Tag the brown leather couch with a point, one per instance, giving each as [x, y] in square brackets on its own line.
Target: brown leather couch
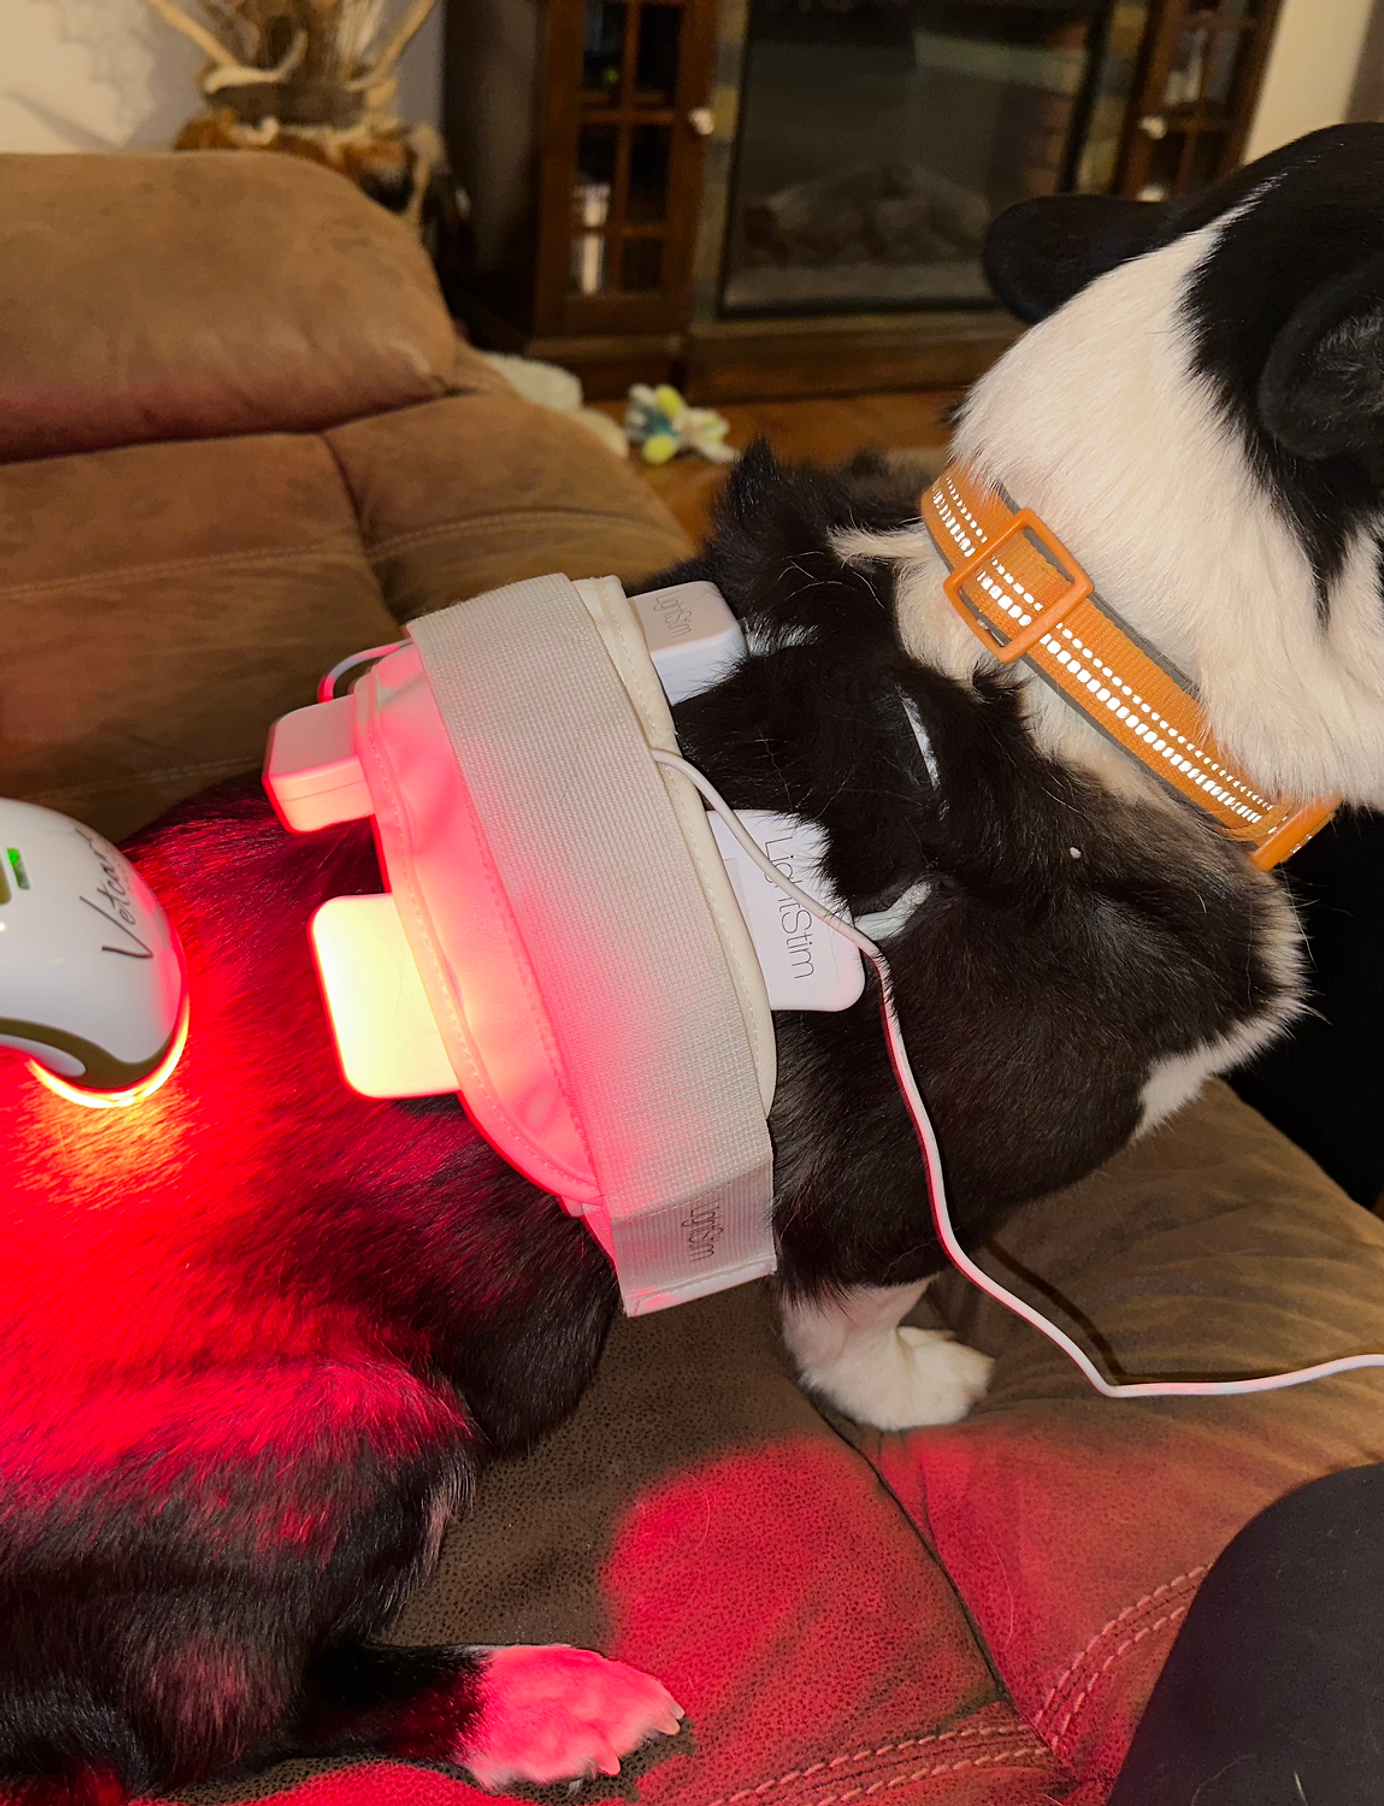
[239, 440]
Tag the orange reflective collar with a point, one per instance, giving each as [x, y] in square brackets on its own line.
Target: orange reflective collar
[1023, 595]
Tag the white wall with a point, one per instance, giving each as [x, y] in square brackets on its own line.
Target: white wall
[1311, 72]
[110, 75]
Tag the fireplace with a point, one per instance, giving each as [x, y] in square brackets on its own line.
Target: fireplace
[878, 138]
[778, 196]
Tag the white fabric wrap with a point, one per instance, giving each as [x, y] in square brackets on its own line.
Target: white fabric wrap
[575, 930]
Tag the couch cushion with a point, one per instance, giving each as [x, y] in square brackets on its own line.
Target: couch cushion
[1077, 1528]
[202, 293]
[465, 494]
[698, 1519]
[160, 606]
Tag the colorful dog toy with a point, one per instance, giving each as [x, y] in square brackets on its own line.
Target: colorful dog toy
[661, 423]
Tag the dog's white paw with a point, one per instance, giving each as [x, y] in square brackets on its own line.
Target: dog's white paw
[552, 1713]
[908, 1379]
[851, 1349]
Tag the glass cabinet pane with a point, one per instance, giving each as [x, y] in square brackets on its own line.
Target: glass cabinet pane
[656, 65]
[603, 50]
[592, 206]
[1163, 163]
[597, 156]
[1221, 61]
[648, 189]
[597, 148]
[1203, 162]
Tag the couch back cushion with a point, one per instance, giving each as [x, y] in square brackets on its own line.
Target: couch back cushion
[182, 553]
[192, 294]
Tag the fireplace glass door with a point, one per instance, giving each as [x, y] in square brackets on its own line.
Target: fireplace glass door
[878, 138]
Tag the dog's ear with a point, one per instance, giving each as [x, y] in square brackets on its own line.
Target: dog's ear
[1039, 253]
[1322, 389]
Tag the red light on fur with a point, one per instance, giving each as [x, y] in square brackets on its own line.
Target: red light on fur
[132, 1094]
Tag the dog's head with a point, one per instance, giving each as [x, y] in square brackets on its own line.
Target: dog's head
[1198, 412]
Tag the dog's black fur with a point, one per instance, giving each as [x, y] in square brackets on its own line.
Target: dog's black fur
[1055, 918]
[1018, 978]
[227, 1452]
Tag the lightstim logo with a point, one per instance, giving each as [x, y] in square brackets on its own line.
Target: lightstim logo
[677, 617]
[795, 924]
[704, 1230]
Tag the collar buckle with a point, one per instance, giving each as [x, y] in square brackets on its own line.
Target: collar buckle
[1048, 616]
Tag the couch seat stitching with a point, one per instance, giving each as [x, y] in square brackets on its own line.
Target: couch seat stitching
[403, 542]
[335, 544]
[941, 1742]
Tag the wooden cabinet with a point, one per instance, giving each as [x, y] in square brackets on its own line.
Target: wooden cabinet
[1199, 78]
[625, 115]
[659, 186]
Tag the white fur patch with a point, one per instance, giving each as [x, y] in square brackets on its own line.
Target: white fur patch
[1176, 1080]
[761, 637]
[553, 1713]
[921, 735]
[853, 1350]
[1097, 420]
[880, 924]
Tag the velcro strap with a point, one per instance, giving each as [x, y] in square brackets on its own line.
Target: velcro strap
[648, 1036]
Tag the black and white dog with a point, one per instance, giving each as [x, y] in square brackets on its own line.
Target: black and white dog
[257, 1339]
[1199, 415]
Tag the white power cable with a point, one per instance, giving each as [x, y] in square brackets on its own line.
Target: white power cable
[932, 1157]
[326, 688]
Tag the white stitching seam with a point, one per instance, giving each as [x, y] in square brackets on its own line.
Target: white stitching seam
[1122, 1617]
[1178, 1611]
[888, 1749]
[334, 545]
[921, 1774]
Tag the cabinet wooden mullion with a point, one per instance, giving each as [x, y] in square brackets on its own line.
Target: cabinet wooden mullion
[619, 182]
[560, 126]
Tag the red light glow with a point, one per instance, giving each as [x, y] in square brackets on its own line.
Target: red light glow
[132, 1094]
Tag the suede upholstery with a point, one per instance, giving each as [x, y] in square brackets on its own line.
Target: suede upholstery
[177, 297]
[453, 500]
[249, 544]
[971, 1614]
[237, 441]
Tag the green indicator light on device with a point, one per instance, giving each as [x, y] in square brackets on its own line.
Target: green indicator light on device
[21, 877]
